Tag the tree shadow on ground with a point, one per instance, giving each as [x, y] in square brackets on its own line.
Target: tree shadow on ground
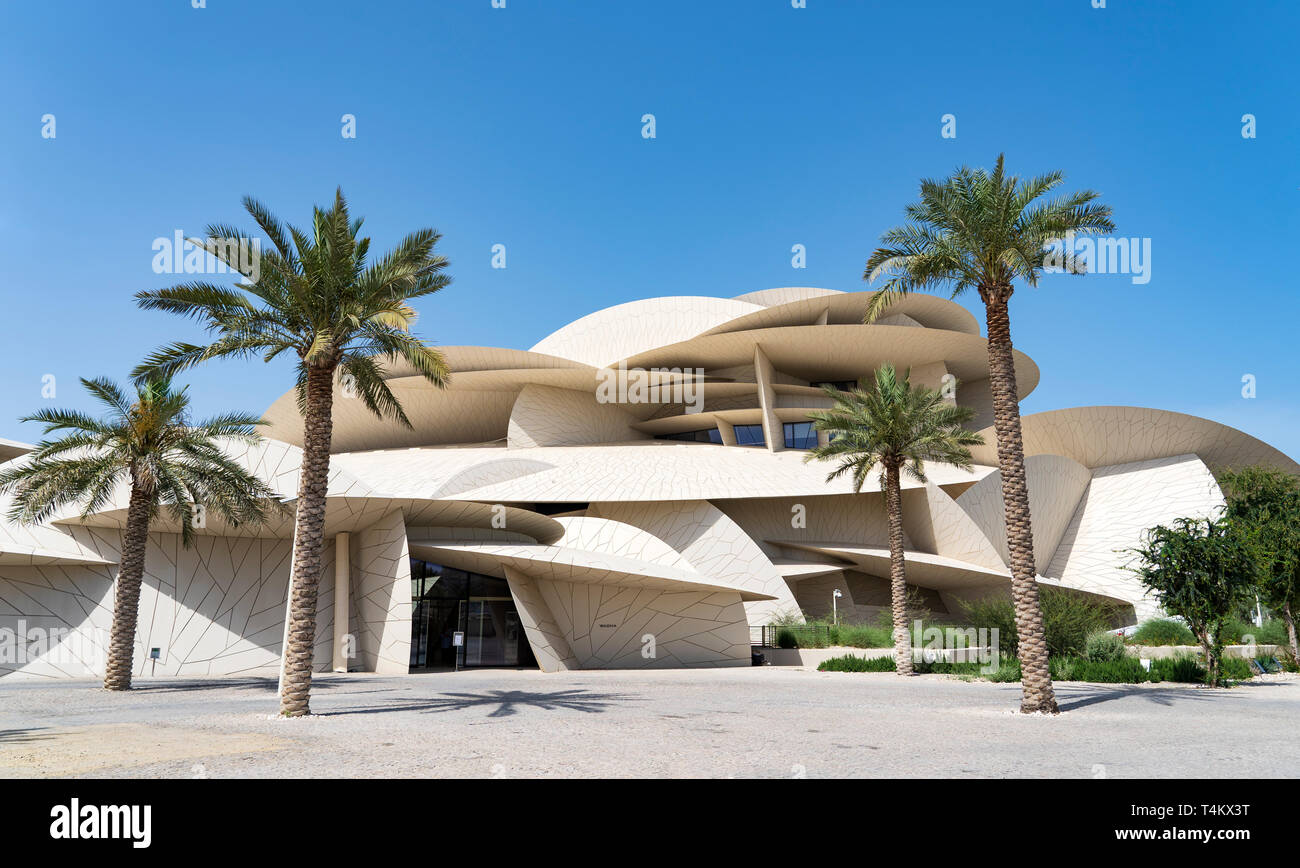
[266, 684]
[1070, 698]
[23, 736]
[504, 703]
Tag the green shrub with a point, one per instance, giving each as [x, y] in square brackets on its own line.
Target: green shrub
[854, 663]
[1127, 670]
[862, 636]
[1289, 663]
[1184, 669]
[1069, 619]
[1104, 646]
[994, 613]
[1236, 668]
[1163, 631]
[814, 634]
[1008, 669]
[1272, 632]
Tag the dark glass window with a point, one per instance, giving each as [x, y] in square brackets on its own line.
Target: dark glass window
[750, 435]
[446, 601]
[842, 385]
[800, 435]
[707, 435]
[557, 508]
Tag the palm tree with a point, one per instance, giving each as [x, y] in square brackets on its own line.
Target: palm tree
[985, 230]
[318, 297]
[148, 442]
[894, 426]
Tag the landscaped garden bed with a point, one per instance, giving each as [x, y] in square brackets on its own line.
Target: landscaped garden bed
[1125, 670]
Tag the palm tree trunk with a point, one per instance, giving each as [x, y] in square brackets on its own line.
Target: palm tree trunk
[126, 599]
[1036, 679]
[1289, 617]
[897, 571]
[308, 539]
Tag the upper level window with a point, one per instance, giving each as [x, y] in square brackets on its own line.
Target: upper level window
[800, 435]
[842, 385]
[750, 435]
[707, 435]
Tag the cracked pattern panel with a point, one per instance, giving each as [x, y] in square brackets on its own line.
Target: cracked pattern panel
[1055, 483]
[381, 595]
[216, 608]
[713, 544]
[546, 416]
[1119, 504]
[609, 626]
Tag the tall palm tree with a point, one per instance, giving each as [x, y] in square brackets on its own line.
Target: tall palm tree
[319, 297]
[148, 442]
[897, 427]
[985, 230]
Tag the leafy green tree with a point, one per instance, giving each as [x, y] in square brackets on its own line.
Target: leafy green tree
[986, 230]
[1199, 569]
[896, 427]
[317, 297]
[149, 443]
[1265, 503]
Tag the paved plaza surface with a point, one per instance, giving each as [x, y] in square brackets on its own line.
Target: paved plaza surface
[746, 722]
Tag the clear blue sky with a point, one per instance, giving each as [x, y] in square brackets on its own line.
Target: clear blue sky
[775, 126]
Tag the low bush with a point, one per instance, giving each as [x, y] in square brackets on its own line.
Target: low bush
[810, 635]
[1163, 631]
[862, 636]
[1127, 670]
[1272, 632]
[1008, 669]
[1236, 668]
[1103, 647]
[854, 663]
[994, 613]
[1069, 619]
[1184, 669]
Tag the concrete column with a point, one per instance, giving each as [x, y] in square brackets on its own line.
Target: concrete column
[773, 430]
[342, 586]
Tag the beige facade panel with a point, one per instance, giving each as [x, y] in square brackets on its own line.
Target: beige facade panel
[546, 416]
[556, 563]
[1056, 484]
[619, 332]
[1103, 436]
[381, 593]
[609, 626]
[833, 352]
[620, 550]
[713, 545]
[923, 568]
[11, 449]
[1120, 503]
[791, 306]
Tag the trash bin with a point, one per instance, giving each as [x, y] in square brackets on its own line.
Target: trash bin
[756, 658]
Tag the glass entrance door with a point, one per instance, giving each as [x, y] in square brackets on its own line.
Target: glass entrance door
[445, 601]
[493, 633]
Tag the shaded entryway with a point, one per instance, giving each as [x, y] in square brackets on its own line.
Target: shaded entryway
[446, 600]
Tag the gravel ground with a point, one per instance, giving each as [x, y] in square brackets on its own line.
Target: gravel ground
[759, 722]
